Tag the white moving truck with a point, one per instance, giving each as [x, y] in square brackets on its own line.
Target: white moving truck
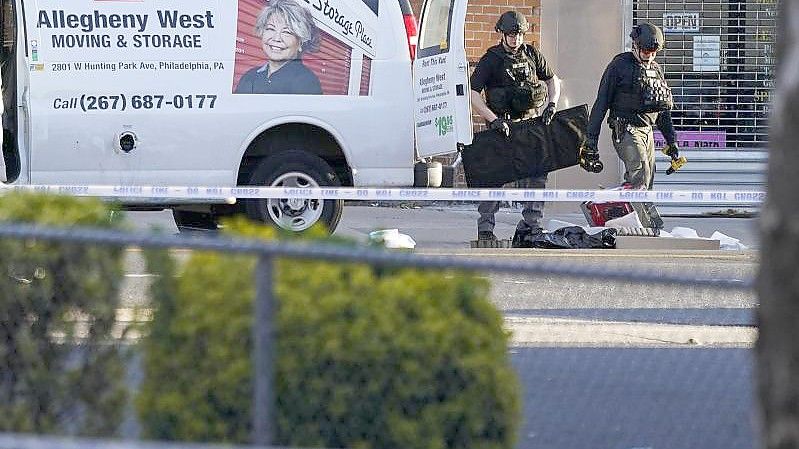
[289, 93]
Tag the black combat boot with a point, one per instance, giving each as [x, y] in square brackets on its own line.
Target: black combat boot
[520, 240]
[487, 236]
[524, 238]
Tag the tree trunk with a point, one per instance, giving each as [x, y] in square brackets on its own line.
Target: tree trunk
[778, 280]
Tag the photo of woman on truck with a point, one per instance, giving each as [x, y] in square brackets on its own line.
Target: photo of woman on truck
[287, 31]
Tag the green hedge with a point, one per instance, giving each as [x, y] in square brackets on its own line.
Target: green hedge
[46, 385]
[366, 358]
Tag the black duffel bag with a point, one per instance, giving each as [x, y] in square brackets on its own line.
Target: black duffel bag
[532, 149]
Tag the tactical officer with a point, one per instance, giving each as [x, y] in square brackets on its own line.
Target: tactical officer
[518, 83]
[635, 91]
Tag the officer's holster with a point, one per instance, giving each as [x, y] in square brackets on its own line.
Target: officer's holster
[618, 126]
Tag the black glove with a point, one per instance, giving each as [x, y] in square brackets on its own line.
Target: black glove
[501, 125]
[591, 148]
[589, 157]
[548, 114]
[672, 151]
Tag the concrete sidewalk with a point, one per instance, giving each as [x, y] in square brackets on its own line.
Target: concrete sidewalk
[569, 332]
[527, 331]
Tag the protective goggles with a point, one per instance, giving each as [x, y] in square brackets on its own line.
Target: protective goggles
[650, 47]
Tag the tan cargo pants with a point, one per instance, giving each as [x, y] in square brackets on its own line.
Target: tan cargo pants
[636, 149]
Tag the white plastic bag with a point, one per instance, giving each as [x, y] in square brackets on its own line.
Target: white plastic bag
[728, 243]
[392, 239]
[630, 220]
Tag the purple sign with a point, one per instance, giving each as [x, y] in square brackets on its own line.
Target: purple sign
[701, 140]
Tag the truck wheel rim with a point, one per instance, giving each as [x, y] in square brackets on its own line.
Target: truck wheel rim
[295, 214]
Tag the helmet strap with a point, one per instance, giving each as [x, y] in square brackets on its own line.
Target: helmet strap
[637, 53]
[506, 46]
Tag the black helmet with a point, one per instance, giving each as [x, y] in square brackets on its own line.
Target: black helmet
[648, 37]
[512, 22]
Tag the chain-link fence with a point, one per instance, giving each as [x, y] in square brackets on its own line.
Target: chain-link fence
[311, 343]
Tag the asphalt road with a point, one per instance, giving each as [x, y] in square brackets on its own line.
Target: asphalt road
[636, 398]
[446, 232]
[453, 226]
[603, 364]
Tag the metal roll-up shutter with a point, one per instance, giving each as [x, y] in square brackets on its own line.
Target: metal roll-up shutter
[719, 62]
[366, 75]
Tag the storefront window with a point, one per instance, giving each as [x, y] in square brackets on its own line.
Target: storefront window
[719, 61]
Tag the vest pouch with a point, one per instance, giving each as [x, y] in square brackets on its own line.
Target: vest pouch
[626, 103]
[540, 93]
[649, 93]
[497, 99]
[655, 93]
[521, 99]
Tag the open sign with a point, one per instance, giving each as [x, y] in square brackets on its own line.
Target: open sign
[681, 22]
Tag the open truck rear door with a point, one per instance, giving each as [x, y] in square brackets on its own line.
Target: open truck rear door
[443, 115]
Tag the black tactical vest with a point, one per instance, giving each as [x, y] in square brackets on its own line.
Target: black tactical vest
[519, 90]
[655, 93]
[648, 93]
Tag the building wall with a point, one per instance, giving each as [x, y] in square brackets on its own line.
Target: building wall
[579, 38]
[482, 15]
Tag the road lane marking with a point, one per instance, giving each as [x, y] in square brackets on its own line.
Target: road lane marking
[533, 331]
[569, 332]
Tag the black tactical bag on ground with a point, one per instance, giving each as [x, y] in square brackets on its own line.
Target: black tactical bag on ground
[532, 149]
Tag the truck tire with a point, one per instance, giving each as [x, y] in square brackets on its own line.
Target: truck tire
[299, 169]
